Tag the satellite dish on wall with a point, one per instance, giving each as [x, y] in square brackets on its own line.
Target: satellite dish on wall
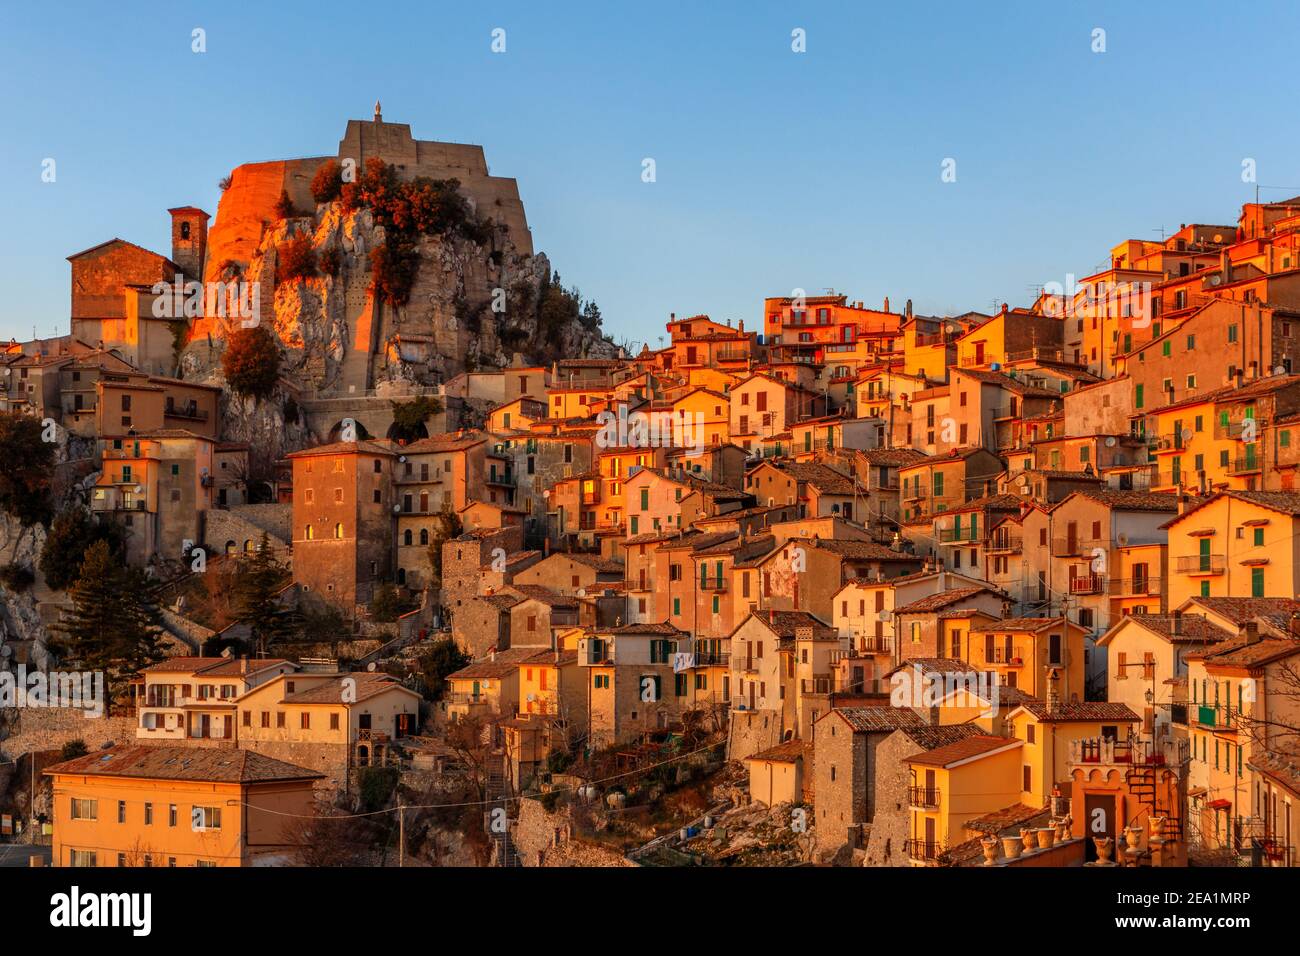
[995, 366]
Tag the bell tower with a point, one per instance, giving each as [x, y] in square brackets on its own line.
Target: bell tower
[189, 239]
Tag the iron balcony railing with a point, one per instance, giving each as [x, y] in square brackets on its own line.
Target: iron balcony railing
[923, 797]
[1088, 584]
[1135, 587]
[923, 849]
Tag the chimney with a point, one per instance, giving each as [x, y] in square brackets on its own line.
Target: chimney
[1251, 632]
[1176, 626]
[886, 303]
[243, 664]
[1225, 265]
[907, 310]
[1053, 697]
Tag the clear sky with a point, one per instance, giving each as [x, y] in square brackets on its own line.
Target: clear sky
[775, 169]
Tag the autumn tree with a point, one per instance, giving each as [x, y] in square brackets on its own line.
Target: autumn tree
[327, 183]
[295, 258]
[113, 625]
[251, 362]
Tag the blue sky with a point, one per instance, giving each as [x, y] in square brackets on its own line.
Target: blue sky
[775, 170]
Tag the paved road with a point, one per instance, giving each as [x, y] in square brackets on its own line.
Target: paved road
[16, 854]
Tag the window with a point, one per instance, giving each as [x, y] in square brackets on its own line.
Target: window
[206, 818]
[280, 719]
[266, 718]
[1257, 582]
[85, 809]
[305, 720]
[82, 858]
[148, 814]
[1259, 537]
[121, 811]
[1232, 333]
[171, 814]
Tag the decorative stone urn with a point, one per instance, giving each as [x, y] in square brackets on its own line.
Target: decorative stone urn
[990, 845]
[1157, 834]
[1133, 836]
[1046, 837]
[1011, 846]
[1029, 838]
[1105, 846]
[1062, 829]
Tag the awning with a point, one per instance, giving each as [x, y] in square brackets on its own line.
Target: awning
[1220, 804]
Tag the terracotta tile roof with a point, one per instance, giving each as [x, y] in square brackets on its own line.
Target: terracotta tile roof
[784, 623]
[662, 627]
[537, 592]
[891, 457]
[1285, 768]
[1131, 500]
[332, 691]
[1240, 610]
[199, 764]
[497, 666]
[929, 736]
[1242, 653]
[1286, 502]
[788, 752]
[862, 550]
[345, 448]
[824, 478]
[1025, 624]
[937, 602]
[234, 667]
[1188, 629]
[975, 746]
[1016, 815]
[600, 565]
[882, 719]
[1080, 710]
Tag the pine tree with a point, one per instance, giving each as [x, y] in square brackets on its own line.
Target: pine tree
[258, 586]
[113, 626]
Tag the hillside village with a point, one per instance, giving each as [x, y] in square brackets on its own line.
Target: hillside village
[835, 583]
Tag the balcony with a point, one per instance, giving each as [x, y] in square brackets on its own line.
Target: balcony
[1198, 564]
[1134, 753]
[1001, 655]
[191, 412]
[1075, 547]
[817, 684]
[1167, 443]
[1249, 464]
[922, 850]
[731, 355]
[874, 645]
[505, 479]
[1088, 584]
[960, 536]
[923, 798]
[713, 584]
[1136, 587]
[1217, 717]
[705, 657]
[593, 652]
[1235, 430]
[1003, 542]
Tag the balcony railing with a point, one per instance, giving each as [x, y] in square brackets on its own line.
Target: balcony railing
[1088, 584]
[1001, 655]
[1003, 541]
[922, 849]
[960, 535]
[1217, 717]
[713, 584]
[709, 658]
[1246, 465]
[1135, 587]
[1201, 564]
[1071, 547]
[924, 798]
[874, 645]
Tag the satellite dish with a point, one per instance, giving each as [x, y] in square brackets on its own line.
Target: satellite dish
[995, 366]
[1110, 441]
[139, 489]
[581, 592]
[885, 615]
[401, 459]
[397, 509]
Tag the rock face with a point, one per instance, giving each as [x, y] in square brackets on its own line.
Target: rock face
[472, 305]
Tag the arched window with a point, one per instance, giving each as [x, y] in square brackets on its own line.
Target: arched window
[230, 547]
[407, 538]
[311, 534]
[338, 530]
[248, 545]
[424, 536]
